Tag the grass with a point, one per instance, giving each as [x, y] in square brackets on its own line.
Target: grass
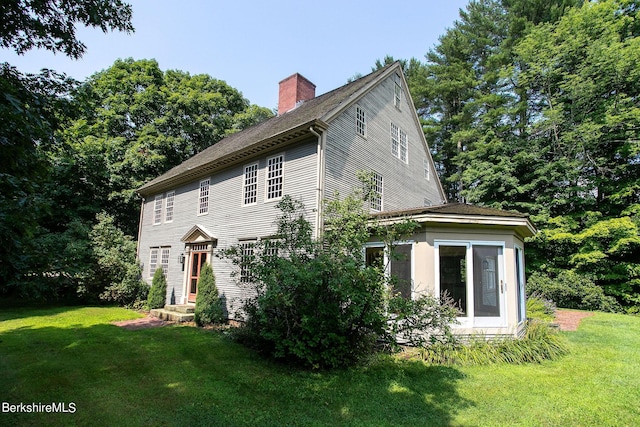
[187, 376]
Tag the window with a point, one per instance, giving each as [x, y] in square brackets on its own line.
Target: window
[153, 261]
[163, 253]
[427, 169]
[168, 207]
[250, 186]
[395, 140]
[397, 92]
[245, 261]
[403, 146]
[399, 266]
[203, 199]
[375, 194]
[360, 121]
[164, 260]
[157, 210]
[472, 274]
[274, 177]
[520, 291]
[399, 145]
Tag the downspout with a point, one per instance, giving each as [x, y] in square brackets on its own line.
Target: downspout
[319, 181]
[140, 226]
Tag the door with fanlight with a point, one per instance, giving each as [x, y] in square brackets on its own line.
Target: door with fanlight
[198, 259]
[472, 275]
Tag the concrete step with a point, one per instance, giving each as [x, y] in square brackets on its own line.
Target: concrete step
[171, 316]
[181, 308]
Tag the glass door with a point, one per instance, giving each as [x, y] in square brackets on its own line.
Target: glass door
[197, 261]
[471, 273]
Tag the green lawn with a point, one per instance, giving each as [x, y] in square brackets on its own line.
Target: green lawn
[186, 376]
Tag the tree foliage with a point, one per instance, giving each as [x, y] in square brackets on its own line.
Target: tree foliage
[534, 106]
[51, 24]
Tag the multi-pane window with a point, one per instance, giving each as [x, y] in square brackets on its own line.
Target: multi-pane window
[375, 196]
[397, 92]
[168, 206]
[361, 124]
[203, 199]
[153, 261]
[403, 146]
[157, 210]
[250, 186]
[399, 143]
[274, 177]
[164, 260]
[245, 261]
[427, 169]
[395, 140]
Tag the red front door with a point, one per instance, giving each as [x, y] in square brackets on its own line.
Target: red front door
[197, 261]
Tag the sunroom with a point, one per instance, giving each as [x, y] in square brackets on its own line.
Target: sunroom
[474, 254]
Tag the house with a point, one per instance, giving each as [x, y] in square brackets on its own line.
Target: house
[226, 195]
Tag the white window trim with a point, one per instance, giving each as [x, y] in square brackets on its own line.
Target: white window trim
[157, 210]
[171, 195]
[397, 92]
[361, 123]
[399, 143]
[521, 303]
[248, 244]
[426, 168]
[468, 320]
[153, 266]
[199, 211]
[165, 266]
[379, 193]
[244, 183]
[282, 175]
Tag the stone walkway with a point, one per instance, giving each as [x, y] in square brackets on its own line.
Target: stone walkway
[569, 320]
[144, 323]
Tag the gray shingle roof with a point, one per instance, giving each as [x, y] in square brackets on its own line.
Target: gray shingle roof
[453, 209]
[277, 130]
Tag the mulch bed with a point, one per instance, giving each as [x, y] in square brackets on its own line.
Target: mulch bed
[569, 320]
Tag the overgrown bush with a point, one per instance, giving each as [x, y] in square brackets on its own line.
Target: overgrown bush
[314, 303]
[571, 290]
[158, 292]
[131, 292]
[422, 321]
[539, 343]
[540, 308]
[208, 309]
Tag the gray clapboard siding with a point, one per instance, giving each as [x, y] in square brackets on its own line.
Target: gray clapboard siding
[404, 185]
[228, 219]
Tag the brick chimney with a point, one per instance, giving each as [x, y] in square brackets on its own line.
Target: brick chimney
[293, 90]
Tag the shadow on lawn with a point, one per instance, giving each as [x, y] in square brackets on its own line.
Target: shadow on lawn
[185, 376]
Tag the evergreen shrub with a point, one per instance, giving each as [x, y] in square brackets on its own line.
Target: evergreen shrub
[209, 308]
[158, 292]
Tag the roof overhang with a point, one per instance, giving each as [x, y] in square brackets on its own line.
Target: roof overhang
[278, 141]
[521, 225]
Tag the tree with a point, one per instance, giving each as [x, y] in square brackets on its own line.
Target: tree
[51, 24]
[209, 308]
[136, 121]
[32, 108]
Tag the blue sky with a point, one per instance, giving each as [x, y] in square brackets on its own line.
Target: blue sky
[253, 44]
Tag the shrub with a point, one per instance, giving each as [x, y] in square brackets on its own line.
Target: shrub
[158, 292]
[131, 292]
[314, 302]
[539, 343]
[422, 321]
[540, 308]
[208, 303]
[571, 290]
